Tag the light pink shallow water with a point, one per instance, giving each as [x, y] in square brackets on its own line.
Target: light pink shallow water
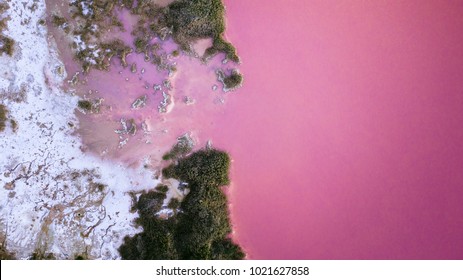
[347, 135]
[119, 88]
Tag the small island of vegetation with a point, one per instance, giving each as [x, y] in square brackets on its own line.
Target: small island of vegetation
[231, 81]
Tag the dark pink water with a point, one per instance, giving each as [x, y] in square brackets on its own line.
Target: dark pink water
[347, 135]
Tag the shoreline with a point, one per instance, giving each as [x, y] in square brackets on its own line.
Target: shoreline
[76, 203]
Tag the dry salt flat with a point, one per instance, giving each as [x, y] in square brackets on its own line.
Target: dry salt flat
[53, 197]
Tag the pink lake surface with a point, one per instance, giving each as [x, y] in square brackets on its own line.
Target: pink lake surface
[345, 138]
[347, 135]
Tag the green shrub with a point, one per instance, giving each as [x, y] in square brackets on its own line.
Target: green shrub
[4, 254]
[39, 255]
[198, 19]
[173, 203]
[85, 105]
[150, 203]
[201, 229]
[7, 45]
[58, 21]
[233, 80]
[162, 188]
[207, 167]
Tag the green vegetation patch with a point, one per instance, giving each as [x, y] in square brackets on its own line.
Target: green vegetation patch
[40, 255]
[3, 117]
[85, 105]
[3, 24]
[234, 80]
[185, 21]
[4, 254]
[4, 7]
[231, 81]
[7, 45]
[14, 125]
[201, 229]
[204, 167]
[183, 147]
[81, 257]
[173, 203]
[61, 22]
[162, 188]
[58, 21]
[198, 19]
[90, 106]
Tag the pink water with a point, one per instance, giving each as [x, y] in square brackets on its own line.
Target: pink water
[347, 135]
[119, 88]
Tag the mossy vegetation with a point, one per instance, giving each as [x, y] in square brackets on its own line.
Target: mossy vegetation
[4, 254]
[85, 105]
[100, 187]
[183, 20]
[150, 203]
[60, 22]
[39, 255]
[205, 167]
[14, 125]
[198, 19]
[183, 147]
[4, 7]
[3, 24]
[173, 203]
[80, 257]
[90, 106]
[231, 81]
[179, 150]
[162, 188]
[7, 45]
[221, 45]
[201, 229]
[140, 44]
[112, 48]
[3, 117]
[6, 118]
